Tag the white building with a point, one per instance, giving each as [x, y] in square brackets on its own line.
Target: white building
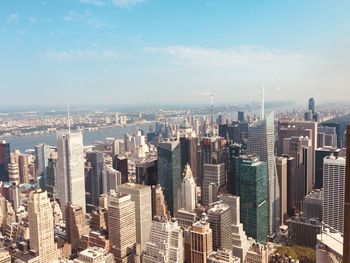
[165, 244]
[334, 192]
[111, 178]
[70, 169]
[188, 190]
[261, 142]
[94, 255]
[223, 256]
[213, 174]
[41, 227]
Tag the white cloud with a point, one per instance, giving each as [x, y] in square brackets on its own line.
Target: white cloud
[78, 54]
[125, 3]
[94, 2]
[12, 19]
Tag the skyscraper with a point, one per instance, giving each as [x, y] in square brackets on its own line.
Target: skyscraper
[41, 227]
[262, 143]
[122, 227]
[201, 240]
[166, 244]
[93, 184]
[254, 197]
[169, 173]
[76, 225]
[215, 175]
[188, 190]
[346, 244]
[141, 195]
[159, 205]
[219, 218]
[5, 158]
[121, 165]
[23, 166]
[70, 169]
[281, 163]
[333, 185]
[42, 154]
[51, 178]
[13, 173]
[312, 105]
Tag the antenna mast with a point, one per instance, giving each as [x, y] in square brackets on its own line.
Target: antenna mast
[211, 111]
[68, 119]
[263, 101]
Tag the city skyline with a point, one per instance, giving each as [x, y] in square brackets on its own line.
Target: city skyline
[132, 52]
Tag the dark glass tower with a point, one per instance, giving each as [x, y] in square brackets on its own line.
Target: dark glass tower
[169, 173]
[93, 183]
[312, 105]
[5, 158]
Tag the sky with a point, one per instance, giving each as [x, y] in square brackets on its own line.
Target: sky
[149, 52]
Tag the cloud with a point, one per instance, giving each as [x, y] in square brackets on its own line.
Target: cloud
[78, 54]
[85, 17]
[118, 3]
[236, 56]
[12, 19]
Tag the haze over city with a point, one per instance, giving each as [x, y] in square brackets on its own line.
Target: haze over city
[131, 52]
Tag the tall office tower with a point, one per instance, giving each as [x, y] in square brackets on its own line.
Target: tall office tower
[41, 227]
[333, 185]
[169, 173]
[7, 213]
[5, 159]
[313, 204]
[241, 116]
[212, 151]
[13, 173]
[116, 149]
[141, 195]
[312, 105]
[121, 165]
[159, 205]
[70, 169]
[213, 174]
[287, 129]
[235, 151]
[320, 154]
[93, 183]
[122, 227]
[326, 136]
[147, 171]
[308, 115]
[189, 148]
[201, 239]
[111, 178]
[223, 256]
[239, 238]
[281, 163]
[42, 155]
[219, 218]
[346, 243]
[14, 196]
[23, 166]
[300, 149]
[261, 142]
[303, 231]
[253, 192]
[51, 178]
[188, 190]
[339, 132]
[76, 225]
[166, 243]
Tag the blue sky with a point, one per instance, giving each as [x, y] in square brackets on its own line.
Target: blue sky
[127, 52]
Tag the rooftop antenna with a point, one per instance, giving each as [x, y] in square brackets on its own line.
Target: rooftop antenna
[211, 111]
[68, 119]
[263, 101]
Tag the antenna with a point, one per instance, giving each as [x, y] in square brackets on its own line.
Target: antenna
[263, 101]
[211, 110]
[68, 119]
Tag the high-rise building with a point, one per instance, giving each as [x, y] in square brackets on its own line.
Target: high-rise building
[219, 218]
[42, 155]
[312, 105]
[169, 173]
[346, 244]
[240, 243]
[223, 256]
[320, 154]
[281, 163]
[94, 255]
[201, 239]
[261, 142]
[51, 178]
[241, 116]
[313, 204]
[111, 178]
[327, 136]
[122, 227]
[41, 227]
[188, 190]
[76, 225]
[253, 192]
[121, 164]
[141, 195]
[70, 169]
[303, 231]
[23, 166]
[333, 185]
[213, 174]
[165, 244]
[93, 183]
[5, 159]
[159, 205]
[13, 173]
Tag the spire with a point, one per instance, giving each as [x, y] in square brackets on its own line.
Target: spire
[68, 119]
[211, 111]
[188, 171]
[263, 101]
